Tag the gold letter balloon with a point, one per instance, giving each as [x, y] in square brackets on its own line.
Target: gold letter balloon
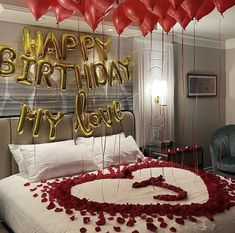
[45, 56]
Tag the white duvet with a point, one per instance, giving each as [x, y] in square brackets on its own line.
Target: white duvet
[25, 214]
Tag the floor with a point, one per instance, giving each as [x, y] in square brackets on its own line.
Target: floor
[3, 229]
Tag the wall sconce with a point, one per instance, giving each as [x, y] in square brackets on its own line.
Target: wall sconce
[159, 92]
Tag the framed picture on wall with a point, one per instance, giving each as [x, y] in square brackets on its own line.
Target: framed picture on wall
[202, 85]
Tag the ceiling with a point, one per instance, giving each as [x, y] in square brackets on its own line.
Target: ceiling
[16, 11]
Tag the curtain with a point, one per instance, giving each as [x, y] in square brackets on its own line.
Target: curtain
[153, 91]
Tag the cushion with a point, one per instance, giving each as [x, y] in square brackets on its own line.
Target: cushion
[108, 152]
[227, 165]
[51, 160]
[15, 151]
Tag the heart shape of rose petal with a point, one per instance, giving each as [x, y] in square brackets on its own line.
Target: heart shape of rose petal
[219, 192]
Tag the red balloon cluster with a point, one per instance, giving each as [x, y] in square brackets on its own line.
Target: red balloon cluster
[145, 13]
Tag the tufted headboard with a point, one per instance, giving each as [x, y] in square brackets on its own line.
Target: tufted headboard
[8, 135]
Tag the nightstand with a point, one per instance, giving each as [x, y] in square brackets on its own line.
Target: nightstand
[182, 154]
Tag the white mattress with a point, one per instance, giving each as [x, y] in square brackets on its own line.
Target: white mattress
[25, 214]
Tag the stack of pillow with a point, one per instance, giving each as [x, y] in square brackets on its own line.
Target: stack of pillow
[57, 159]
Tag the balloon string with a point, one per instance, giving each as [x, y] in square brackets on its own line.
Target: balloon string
[162, 54]
[220, 73]
[196, 99]
[150, 73]
[167, 133]
[183, 83]
[103, 37]
[219, 94]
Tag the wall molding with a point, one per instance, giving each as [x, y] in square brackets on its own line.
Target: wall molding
[230, 44]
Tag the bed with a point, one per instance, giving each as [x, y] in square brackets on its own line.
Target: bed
[122, 194]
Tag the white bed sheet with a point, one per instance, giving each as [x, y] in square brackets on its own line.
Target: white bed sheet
[25, 214]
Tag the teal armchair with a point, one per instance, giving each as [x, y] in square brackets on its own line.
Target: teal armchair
[222, 148]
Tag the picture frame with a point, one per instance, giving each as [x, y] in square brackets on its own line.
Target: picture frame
[202, 85]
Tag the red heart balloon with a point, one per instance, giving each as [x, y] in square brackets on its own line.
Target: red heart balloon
[175, 3]
[93, 24]
[161, 7]
[223, 5]
[192, 7]
[103, 6]
[135, 10]
[167, 23]
[149, 23]
[185, 22]
[72, 5]
[120, 20]
[149, 4]
[61, 13]
[92, 16]
[38, 7]
[206, 8]
[178, 14]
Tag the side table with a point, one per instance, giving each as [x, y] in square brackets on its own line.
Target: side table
[187, 155]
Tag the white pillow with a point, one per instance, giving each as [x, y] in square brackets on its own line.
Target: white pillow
[108, 152]
[51, 160]
[15, 151]
[80, 140]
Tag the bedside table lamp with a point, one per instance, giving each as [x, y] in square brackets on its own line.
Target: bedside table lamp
[159, 92]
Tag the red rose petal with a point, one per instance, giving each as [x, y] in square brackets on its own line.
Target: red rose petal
[83, 230]
[130, 223]
[149, 219]
[117, 229]
[58, 210]
[44, 200]
[135, 231]
[170, 216]
[35, 195]
[72, 218]
[163, 225]
[97, 229]
[83, 212]
[86, 220]
[160, 219]
[27, 184]
[101, 222]
[172, 229]
[43, 195]
[192, 219]
[180, 221]
[151, 227]
[69, 212]
[51, 206]
[120, 220]
[39, 185]
[143, 216]
[33, 189]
